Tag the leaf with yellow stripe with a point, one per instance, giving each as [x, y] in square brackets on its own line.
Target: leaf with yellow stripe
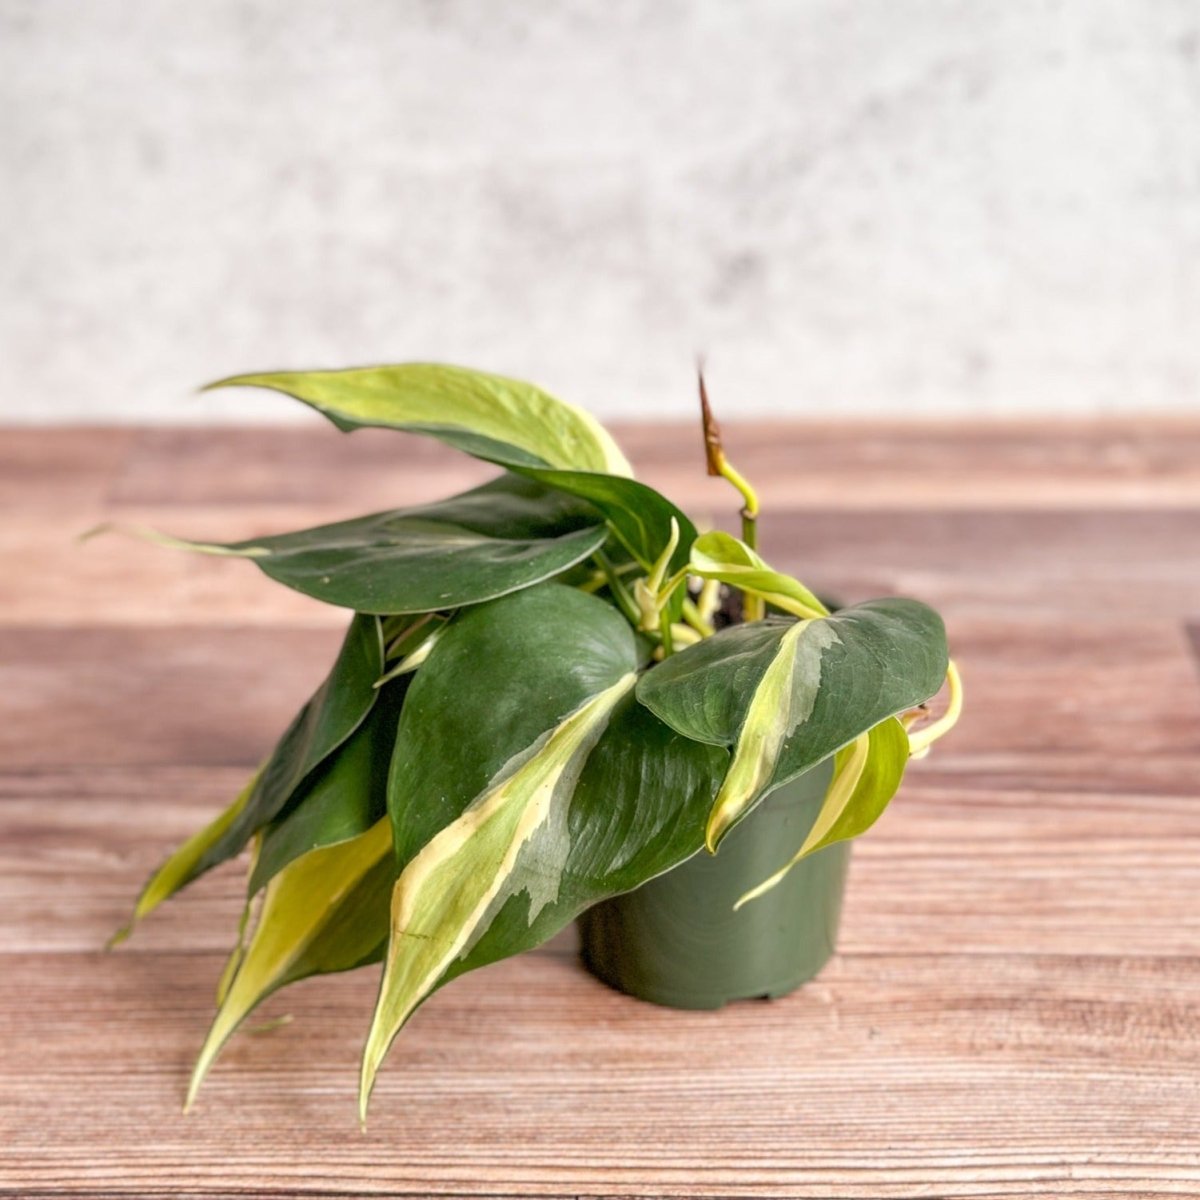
[503, 421]
[512, 838]
[866, 775]
[498, 682]
[489, 416]
[723, 557]
[787, 694]
[326, 911]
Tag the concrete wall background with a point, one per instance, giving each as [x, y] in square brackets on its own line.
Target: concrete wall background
[853, 206]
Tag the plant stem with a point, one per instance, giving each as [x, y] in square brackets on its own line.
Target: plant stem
[668, 635]
[754, 608]
[695, 618]
[620, 593]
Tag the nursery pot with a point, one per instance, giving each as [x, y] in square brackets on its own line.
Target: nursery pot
[677, 941]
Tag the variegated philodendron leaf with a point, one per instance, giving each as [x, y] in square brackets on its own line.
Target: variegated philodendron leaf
[720, 556]
[334, 712]
[496, 726]
[485, 415]
[502, 421]
[787, 694]
[343, 798]
[513, 838]
[326, 911]
[497, 681]
[866, 775]
[485, 543]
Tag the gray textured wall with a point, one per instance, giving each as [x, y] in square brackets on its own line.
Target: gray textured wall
[851, 205]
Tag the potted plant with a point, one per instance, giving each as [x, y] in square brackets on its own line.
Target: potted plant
[556, 698]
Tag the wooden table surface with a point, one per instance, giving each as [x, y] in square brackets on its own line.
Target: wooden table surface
[1015, 1008]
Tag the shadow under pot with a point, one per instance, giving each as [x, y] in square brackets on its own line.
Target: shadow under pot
[677, 941]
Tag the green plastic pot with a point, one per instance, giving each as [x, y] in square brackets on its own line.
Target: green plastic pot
[677, 941]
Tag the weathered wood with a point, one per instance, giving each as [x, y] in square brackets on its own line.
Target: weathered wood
[1015, 1009]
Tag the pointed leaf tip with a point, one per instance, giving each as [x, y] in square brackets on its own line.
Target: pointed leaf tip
[448, 894]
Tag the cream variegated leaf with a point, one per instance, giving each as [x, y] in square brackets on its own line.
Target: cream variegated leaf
[723, 557]
[782, 701]
[502, 421]
[325, 911]
[785, 695]
[866, 775]
[473, 410]
[512, 838]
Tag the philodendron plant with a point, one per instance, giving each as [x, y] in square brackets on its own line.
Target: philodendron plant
[551, 690]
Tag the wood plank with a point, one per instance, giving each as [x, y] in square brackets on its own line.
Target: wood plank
[182, 695]
[989, 871]
[103, 696]
[846, 464]
[1046, 1073]
[71, 469]
[1014, 1010]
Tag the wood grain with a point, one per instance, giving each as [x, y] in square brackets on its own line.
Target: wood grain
[1015, 1008]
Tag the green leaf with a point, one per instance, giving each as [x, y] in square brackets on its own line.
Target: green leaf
[787, 694]
[501, 421]
[486, 415]
[866, 775]
[326, 911]
[512, 838]
[343, 798]
[492, 711]
[495, 539]
[501, 676]
[720, 556]
[639, 516]
[333, 713]
[638, 810]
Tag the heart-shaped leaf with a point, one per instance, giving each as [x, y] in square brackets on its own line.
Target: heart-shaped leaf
[787, 694]
[502, 421]
[485, 415]
[526, 784]
[495, 539]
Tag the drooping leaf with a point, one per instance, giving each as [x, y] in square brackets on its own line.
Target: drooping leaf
[333, 713]
[485, 415]
[638, 810]
[484, 708]
[501, 421]
[720, 556]
[866, 775]
[336, 710]
[498, 679]
[513, 838]
[326, 911]
[787, 694]
[344, 797]
[495, 539]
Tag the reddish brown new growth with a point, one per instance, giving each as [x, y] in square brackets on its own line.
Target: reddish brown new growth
[712, 431]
